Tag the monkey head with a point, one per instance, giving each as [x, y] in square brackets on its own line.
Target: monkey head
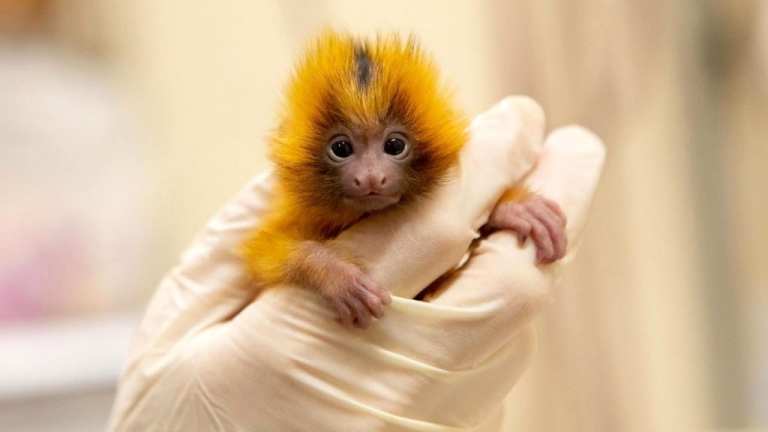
[366, 124]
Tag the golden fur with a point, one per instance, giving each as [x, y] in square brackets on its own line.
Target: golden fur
[361, 83]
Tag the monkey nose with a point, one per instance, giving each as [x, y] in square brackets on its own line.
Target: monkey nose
[370, 183]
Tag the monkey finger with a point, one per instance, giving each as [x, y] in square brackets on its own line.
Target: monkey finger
[554, 226]
[540, 236]
[367, 292]
[372, 302]
[385, 296]
[344, 314]
[362, 316]
[563, 234]
[375, 289]
[555, 207]
[379, 293]
[519, 226]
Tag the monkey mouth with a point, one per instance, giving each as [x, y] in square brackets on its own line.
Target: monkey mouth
[372, 201]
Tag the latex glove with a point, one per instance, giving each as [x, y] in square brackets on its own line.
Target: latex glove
[207, 357]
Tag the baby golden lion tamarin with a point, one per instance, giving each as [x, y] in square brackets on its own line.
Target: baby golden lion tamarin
[367, 125]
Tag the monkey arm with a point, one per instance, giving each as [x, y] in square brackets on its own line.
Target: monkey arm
[281, 252]
[271, 248]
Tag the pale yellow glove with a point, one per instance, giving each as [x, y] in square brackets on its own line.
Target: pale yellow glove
[208, 358]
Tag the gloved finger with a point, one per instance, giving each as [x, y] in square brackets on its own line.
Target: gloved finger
[567, 173]
[495, 295]
[557, 210]
[209, 284]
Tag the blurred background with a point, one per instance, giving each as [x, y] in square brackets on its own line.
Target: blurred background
[125, 124]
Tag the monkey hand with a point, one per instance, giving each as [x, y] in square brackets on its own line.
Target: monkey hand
[356, 298]
[536, 217]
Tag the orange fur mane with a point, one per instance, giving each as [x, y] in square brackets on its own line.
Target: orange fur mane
[404, 86]
[362, 83]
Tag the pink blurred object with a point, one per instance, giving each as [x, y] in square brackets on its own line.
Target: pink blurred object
[44, 273]
[72, 222]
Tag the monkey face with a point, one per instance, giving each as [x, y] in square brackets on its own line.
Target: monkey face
[367, 124]
[370, 165]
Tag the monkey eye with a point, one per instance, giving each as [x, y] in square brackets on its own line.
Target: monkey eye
[396, 147]
[340, 149]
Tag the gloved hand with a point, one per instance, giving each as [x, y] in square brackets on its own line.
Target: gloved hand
[207, 357]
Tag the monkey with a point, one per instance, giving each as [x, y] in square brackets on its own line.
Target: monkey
[367, 125]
